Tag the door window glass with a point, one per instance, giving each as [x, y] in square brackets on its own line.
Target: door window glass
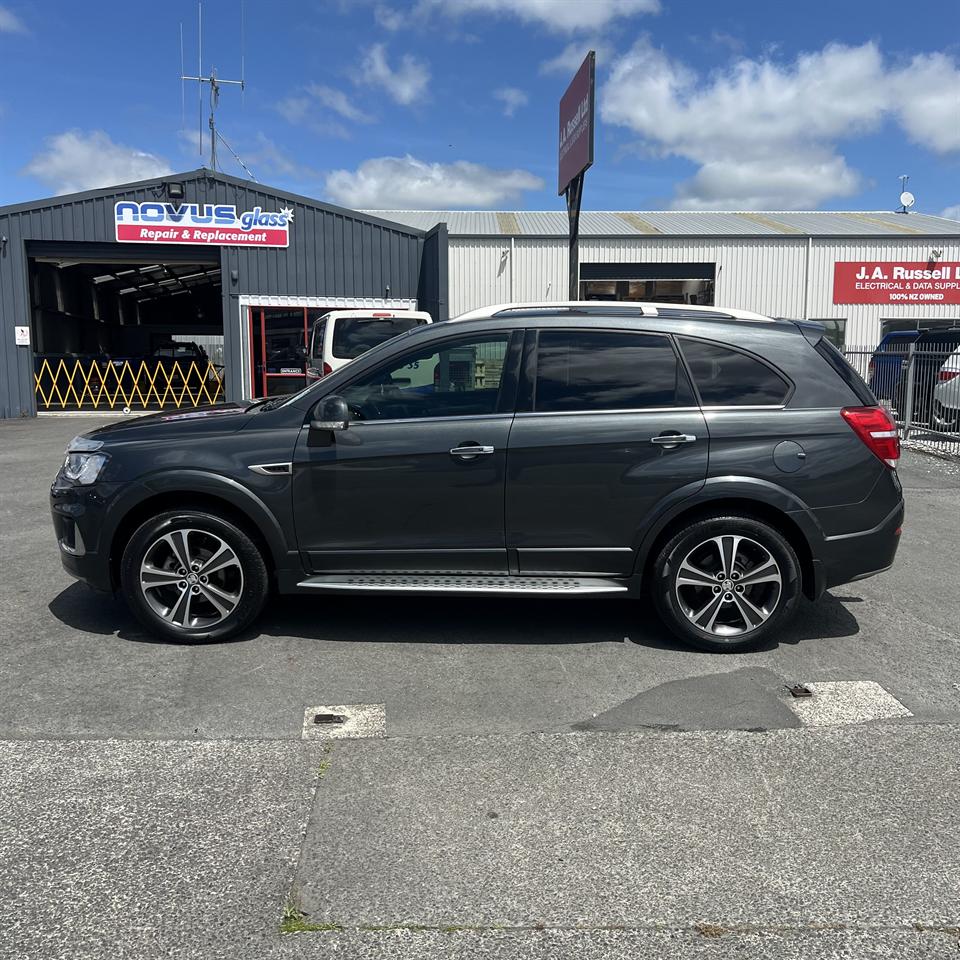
[600, 370]
[728, 378]
[456, 379]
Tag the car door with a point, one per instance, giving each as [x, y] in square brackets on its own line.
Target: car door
[416, 481]
[608, 429]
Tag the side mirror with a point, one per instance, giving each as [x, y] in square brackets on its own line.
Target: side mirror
[331, 413]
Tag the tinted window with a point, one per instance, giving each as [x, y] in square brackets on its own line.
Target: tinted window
[459, 378]
[597, 370]
[728, 378]
[319, 333]
[355, 335]
[849, 376]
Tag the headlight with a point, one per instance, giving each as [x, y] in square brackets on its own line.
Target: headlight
[83, 444]
[84, 468]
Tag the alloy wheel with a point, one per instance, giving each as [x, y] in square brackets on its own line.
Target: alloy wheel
[728, 585]
[191, 578]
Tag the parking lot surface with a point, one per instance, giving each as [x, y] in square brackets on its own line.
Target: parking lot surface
[558, 778]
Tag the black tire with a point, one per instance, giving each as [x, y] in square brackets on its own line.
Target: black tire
[678, 604]
[243, 579]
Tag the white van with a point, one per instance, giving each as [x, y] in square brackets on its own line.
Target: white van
[340, 336]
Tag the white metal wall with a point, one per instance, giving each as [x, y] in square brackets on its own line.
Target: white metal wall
[762, 274]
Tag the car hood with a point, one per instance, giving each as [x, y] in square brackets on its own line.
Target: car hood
[212, 418]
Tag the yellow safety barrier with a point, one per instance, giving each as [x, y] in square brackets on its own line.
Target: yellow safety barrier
[111, 384]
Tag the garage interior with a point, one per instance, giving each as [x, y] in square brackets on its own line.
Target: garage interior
[117, 326]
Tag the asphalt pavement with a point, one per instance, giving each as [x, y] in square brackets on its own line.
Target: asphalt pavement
[556, 779]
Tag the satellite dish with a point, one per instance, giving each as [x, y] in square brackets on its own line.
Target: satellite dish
[907, 199]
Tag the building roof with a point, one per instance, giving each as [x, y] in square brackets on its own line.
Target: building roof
[678, 223]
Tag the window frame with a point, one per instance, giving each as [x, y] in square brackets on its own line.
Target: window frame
[507, 391]
[527, 393]
[791, 386]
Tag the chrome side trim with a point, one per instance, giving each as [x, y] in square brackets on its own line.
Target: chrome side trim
[439, 583]
[271, 469]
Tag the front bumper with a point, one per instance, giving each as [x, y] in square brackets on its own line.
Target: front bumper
[78, 514]
[856, 556]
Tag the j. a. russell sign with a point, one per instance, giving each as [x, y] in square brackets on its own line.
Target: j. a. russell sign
[203, 223]
[870, 281]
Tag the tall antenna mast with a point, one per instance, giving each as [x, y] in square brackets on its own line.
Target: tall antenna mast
[215, 84]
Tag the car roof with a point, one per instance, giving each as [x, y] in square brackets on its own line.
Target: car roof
[607, 308]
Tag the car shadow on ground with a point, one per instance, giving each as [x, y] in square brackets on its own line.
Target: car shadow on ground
[449, 620]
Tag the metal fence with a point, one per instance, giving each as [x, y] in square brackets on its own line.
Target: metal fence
[921, 386]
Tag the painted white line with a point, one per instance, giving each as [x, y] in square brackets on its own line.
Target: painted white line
[839, 702]
[361, 720]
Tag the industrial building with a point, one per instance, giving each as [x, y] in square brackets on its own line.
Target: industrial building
[794, 264]
[188, 288]
[199, 286]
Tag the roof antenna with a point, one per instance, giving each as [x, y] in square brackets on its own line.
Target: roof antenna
[907, 199]
[215, 84]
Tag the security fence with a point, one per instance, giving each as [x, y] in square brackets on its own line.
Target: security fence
[921, 386]
[94, 383]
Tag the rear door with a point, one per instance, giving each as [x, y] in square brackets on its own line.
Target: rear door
[609, 430]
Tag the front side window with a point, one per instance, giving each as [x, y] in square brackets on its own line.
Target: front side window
[583, 370]
[728, 378]
[460, 378]
[353, 336]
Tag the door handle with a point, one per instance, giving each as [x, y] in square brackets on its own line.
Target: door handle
[470, 451]
[673, 439]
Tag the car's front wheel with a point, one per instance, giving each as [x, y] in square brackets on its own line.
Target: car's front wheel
[190, 576]
[726, 583]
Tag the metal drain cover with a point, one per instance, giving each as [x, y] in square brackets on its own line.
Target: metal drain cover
[344, 720]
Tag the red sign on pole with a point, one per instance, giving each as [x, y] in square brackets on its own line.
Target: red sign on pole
[906, 281]
[576, 125]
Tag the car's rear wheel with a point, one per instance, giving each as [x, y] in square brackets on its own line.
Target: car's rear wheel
[190, 576]
[726, 584]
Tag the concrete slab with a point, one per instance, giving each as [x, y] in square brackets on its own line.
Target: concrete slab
[133, 849]
[846, 701]
[852, 827]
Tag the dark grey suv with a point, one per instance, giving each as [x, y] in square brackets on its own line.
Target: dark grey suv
[721, 463]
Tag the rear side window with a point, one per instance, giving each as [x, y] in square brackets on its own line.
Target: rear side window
[600, 370]
[849, 376]
[729, 378]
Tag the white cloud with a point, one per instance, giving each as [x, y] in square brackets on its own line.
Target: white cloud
[559, 15]
[338, 102]
[10, 22]
[765, 134]
[410, 184]
[388, 17]
[403, 84]
[568, 60]
[76, 160]
[511, 98]
[951, 213]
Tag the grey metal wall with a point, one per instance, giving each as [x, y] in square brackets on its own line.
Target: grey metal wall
[332, 252]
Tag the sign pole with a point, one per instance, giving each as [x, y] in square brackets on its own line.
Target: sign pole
[575, 156]
[574, 195]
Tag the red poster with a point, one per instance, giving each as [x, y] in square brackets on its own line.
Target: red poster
[890, 282]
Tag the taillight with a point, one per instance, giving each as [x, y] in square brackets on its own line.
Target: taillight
[876, 428]
[327, 369]
[945, 375]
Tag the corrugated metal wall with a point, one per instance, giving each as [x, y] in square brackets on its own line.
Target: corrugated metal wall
[763, 274]
[332, 252]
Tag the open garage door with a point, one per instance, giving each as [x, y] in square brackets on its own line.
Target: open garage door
[122, 327]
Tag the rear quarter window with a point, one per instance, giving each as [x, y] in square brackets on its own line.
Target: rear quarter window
[846, 373]
[728, 378]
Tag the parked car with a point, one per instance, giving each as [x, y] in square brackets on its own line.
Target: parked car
[718, 462]
[340, 336]
[888, 361]
[930, 350]
[946, 395]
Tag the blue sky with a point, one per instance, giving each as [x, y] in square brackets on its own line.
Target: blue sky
[741, 104]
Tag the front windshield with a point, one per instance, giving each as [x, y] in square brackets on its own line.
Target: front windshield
[353, 336]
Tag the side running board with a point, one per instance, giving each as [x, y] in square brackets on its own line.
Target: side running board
[478, 585]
